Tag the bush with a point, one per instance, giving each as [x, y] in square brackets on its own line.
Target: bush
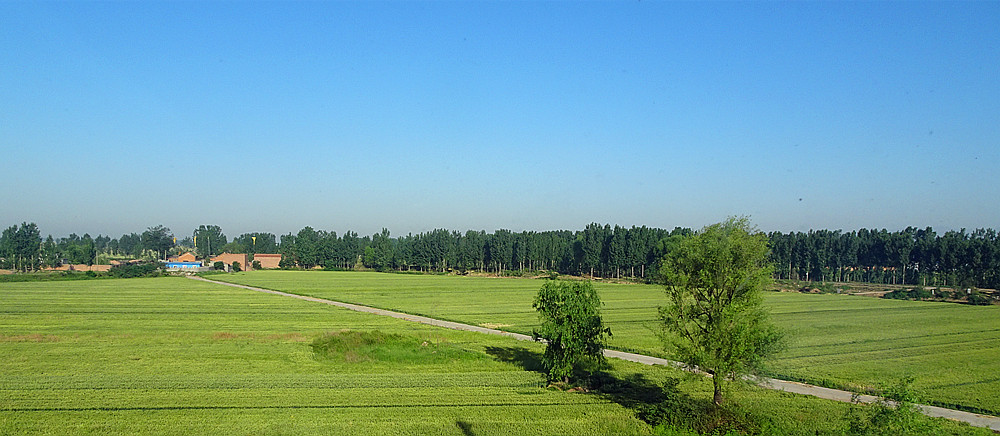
[256, 265]
[979, 299]
[129, 270]
[236, 267]
[895, 412]
[918, 293]
[219, 265]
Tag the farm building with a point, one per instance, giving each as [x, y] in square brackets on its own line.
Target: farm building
[186, 257]
[229, 258]
[268, 261]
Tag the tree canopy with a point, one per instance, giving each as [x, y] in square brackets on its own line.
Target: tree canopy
[713, 318]
[572, 325]
[158, 239]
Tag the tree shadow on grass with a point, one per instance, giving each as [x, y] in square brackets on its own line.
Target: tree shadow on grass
[650, 401]
[523, 357]
[655, 402]
[465, 427]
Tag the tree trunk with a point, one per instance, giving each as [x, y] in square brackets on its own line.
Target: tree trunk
[717, 388]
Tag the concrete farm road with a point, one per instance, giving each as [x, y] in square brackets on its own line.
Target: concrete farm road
[991, 422]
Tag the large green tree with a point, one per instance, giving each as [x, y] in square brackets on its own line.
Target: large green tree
[209, 240]
[19, 247]
[571, 324]
[714, 318]
[158, 239]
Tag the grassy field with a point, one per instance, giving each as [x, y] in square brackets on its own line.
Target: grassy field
[837, 341]
[175, 356]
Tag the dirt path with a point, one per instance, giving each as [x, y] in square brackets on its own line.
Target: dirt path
[991, 422]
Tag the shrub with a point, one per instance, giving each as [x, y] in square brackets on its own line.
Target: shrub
[979, 299]
[895, 412]
[236, 267]
[219, 265]
[129, 270]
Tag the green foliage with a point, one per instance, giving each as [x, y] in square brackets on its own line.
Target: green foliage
[219, 265]
[979, 298]
[256, 264]
[175, 356]
[917, 293]
[157, 239]
[209, 240]
[236, 267]
[20, 246]
[571, 325]
[895, 411]
[714, 280]
[833, 342]
[127, 270]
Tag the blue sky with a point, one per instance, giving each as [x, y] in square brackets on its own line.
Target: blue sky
[477, 115]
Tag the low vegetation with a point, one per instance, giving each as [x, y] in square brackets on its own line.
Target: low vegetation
[831, 339]
[174, 356]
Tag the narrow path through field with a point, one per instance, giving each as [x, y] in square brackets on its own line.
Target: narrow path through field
[978, 420]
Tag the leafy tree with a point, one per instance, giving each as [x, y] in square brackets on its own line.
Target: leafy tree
[714, 313]
[237, 267]
[256, 243]
[158, 239]
[20, 246]
[219, 265]
[209, 240]
[571, 323]
[50, 253]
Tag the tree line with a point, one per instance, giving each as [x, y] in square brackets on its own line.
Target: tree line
[598, 250]
[911, 256]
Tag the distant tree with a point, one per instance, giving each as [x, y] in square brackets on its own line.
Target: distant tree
[8, 252]
[219, 265]
[20, 246]
[307, 247]
[51, 256]
[131, 244]
[88, 250]
[381, 250]
[236, 267]
[571, 323]
[158, 239]
[209, 240]
[257, 243]
[714, 315]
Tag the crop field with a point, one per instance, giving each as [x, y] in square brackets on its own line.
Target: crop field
[839, 341]
[176, 356]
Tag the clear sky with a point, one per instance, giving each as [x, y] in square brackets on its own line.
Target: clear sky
[477, 115]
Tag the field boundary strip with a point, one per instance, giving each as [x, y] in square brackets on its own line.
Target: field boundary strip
[978, 420]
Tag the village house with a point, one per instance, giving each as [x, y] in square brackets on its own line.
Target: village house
[268, 261]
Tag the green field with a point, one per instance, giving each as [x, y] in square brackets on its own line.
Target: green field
[837, 341]
[178, 356]
[172, 355]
